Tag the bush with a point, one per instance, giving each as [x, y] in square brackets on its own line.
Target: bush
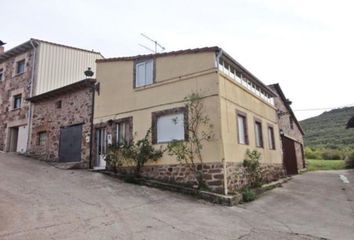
[331, 154]
[248, 195]
[312, 153]
[349, 161]
[252, 167]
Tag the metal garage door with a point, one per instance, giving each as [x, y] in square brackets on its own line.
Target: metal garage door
[70, 144]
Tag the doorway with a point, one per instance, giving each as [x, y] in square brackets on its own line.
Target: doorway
[289, 156]
[101, 148]
[70, 144]
[13, 139]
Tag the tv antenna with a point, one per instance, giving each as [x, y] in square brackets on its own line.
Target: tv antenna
[158, 46]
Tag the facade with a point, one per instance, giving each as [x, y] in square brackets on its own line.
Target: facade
[32, 68]
[62, 123]
[291, 133]
[147, 92]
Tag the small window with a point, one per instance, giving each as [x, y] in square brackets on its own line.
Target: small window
[271, 138]
[17, 101]
[20, 67]
[242, 128]
[1, 74]
[42, 138]
[144, 72]
[58, 104]
[291, 122]
[122, 133]
[258, 133]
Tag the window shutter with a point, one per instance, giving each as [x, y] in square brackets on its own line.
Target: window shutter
[149, 68]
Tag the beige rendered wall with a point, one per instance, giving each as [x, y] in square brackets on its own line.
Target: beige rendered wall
[234, 97]
[176, 77]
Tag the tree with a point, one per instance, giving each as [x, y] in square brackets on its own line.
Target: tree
[199, 131]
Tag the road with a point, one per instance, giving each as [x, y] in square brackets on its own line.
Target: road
[39, 201]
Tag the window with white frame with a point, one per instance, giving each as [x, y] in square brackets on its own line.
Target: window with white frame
[144, 73]
[258, 133]
[242, 128]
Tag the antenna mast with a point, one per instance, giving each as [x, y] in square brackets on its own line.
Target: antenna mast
[157, 45]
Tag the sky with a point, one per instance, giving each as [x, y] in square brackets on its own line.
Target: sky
[307, 46]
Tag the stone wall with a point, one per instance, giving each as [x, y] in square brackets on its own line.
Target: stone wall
[13, 84]
[76, 108]
[213, 175]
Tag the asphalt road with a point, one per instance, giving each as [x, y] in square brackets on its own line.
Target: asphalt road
[39, 201]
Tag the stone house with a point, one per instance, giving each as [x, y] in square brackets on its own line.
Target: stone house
[144, 92]
[62, 123]
[29, 69]
[292, 134]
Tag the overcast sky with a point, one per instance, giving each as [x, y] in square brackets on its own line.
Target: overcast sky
[305, 45]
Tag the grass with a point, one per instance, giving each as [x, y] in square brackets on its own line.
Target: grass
[314, 164]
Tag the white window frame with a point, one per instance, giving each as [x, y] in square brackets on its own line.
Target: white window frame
[144, 73]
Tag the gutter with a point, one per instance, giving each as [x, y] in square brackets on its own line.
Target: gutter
[93, 88]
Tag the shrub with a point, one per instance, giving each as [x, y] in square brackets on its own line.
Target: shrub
[331, 154]
[312, 153]
[248, 194]
[349, 161]
[252, 167]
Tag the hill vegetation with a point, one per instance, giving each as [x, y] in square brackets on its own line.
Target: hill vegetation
[326, 136]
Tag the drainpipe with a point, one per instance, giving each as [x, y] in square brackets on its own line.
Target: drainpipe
[93, 88]
[29, 123]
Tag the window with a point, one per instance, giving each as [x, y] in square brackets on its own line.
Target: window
[242, 128]
[271, 137]
[291, 122]
[1, 74]
[20, 67]
[123, 132]
[144, 73]
[58, 104]
[42, 138]
[17, 101]
[258, 133]
[169, 125]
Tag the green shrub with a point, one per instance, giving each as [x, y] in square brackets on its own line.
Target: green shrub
[248, 195]
[252, 167]
[312, 153]
[349, 161]
[331, 154]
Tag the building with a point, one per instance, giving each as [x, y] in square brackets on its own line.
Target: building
[30, 69]
[62, 124]
[147, 91]
[291, 133]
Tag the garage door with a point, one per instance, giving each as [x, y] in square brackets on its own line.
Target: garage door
[70, 144]
[289, 155]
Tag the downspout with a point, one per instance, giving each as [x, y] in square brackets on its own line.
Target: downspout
[93, 88]
[218, 56]
[29, 123]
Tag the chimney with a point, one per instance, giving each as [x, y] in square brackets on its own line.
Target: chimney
[2, 49]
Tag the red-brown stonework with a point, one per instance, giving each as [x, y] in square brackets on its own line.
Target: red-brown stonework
[76, 108]
[13, 84]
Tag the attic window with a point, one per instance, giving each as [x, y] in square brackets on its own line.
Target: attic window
[291, 122]
[58, 104]
[144, 73]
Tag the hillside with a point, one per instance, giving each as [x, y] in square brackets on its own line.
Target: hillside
[329, 129]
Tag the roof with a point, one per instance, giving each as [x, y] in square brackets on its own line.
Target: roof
[350, 123]
[88, 82]
[179, 52]
[190, 51]
[30, 44]
[286, 102]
